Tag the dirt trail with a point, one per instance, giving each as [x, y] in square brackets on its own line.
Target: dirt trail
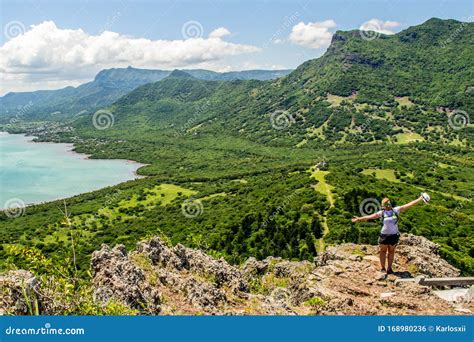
[326, 189]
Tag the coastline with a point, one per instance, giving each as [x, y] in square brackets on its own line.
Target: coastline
[69, 150]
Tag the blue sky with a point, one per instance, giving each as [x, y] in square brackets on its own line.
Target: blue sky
[253, 34]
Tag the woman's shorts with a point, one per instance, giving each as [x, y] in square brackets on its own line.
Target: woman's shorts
[389, 239]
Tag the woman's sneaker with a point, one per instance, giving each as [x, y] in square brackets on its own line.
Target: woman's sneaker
[390, 271]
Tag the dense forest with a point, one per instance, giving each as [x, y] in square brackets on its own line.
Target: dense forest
[231, 164]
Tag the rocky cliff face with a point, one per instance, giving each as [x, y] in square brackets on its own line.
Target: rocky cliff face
[158, 278]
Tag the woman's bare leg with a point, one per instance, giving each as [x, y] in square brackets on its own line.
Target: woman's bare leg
[391, 256]
[383, 254]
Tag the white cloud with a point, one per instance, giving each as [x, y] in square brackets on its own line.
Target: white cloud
[219, 33]
[313, 35]
[47, 54]
[380, 26]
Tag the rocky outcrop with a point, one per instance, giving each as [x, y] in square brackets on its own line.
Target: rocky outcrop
[188, 280]
[423, 255]
[158, 278]
[116, 276]
[343, 280]
[193, 261]
[356, 58]
[18, 293]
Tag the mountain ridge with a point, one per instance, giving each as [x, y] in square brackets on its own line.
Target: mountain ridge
[108, 85]
[359, 91]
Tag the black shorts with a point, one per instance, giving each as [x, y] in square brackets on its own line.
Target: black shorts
[389, 239]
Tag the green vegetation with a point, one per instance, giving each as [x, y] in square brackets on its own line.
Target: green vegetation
[315, 302]
[404, 101]
[322, 186]
[226, 176]
[108, 86]
[326, 189]
[388, 174]
[405, 138]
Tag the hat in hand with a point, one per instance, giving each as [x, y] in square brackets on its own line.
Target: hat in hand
[425, 196]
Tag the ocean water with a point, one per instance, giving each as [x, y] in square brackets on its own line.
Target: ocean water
[38, 172]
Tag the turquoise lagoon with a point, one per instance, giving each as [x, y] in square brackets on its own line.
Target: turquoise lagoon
[33, 172]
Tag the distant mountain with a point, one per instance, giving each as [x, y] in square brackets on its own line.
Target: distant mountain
[108, 86]
[392, 88]
[180, 74]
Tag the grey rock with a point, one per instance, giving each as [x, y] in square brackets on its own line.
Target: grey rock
[116, 276]
[423, 254]
[18, 287]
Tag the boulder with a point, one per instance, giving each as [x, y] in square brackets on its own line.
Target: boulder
[18, 294]
[116, 276]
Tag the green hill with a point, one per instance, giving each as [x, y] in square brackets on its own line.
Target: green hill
[107, 87]
[394, 89]
[431, 63]
[243, 152]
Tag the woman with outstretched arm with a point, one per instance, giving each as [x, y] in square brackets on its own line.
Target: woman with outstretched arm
[389, 234]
